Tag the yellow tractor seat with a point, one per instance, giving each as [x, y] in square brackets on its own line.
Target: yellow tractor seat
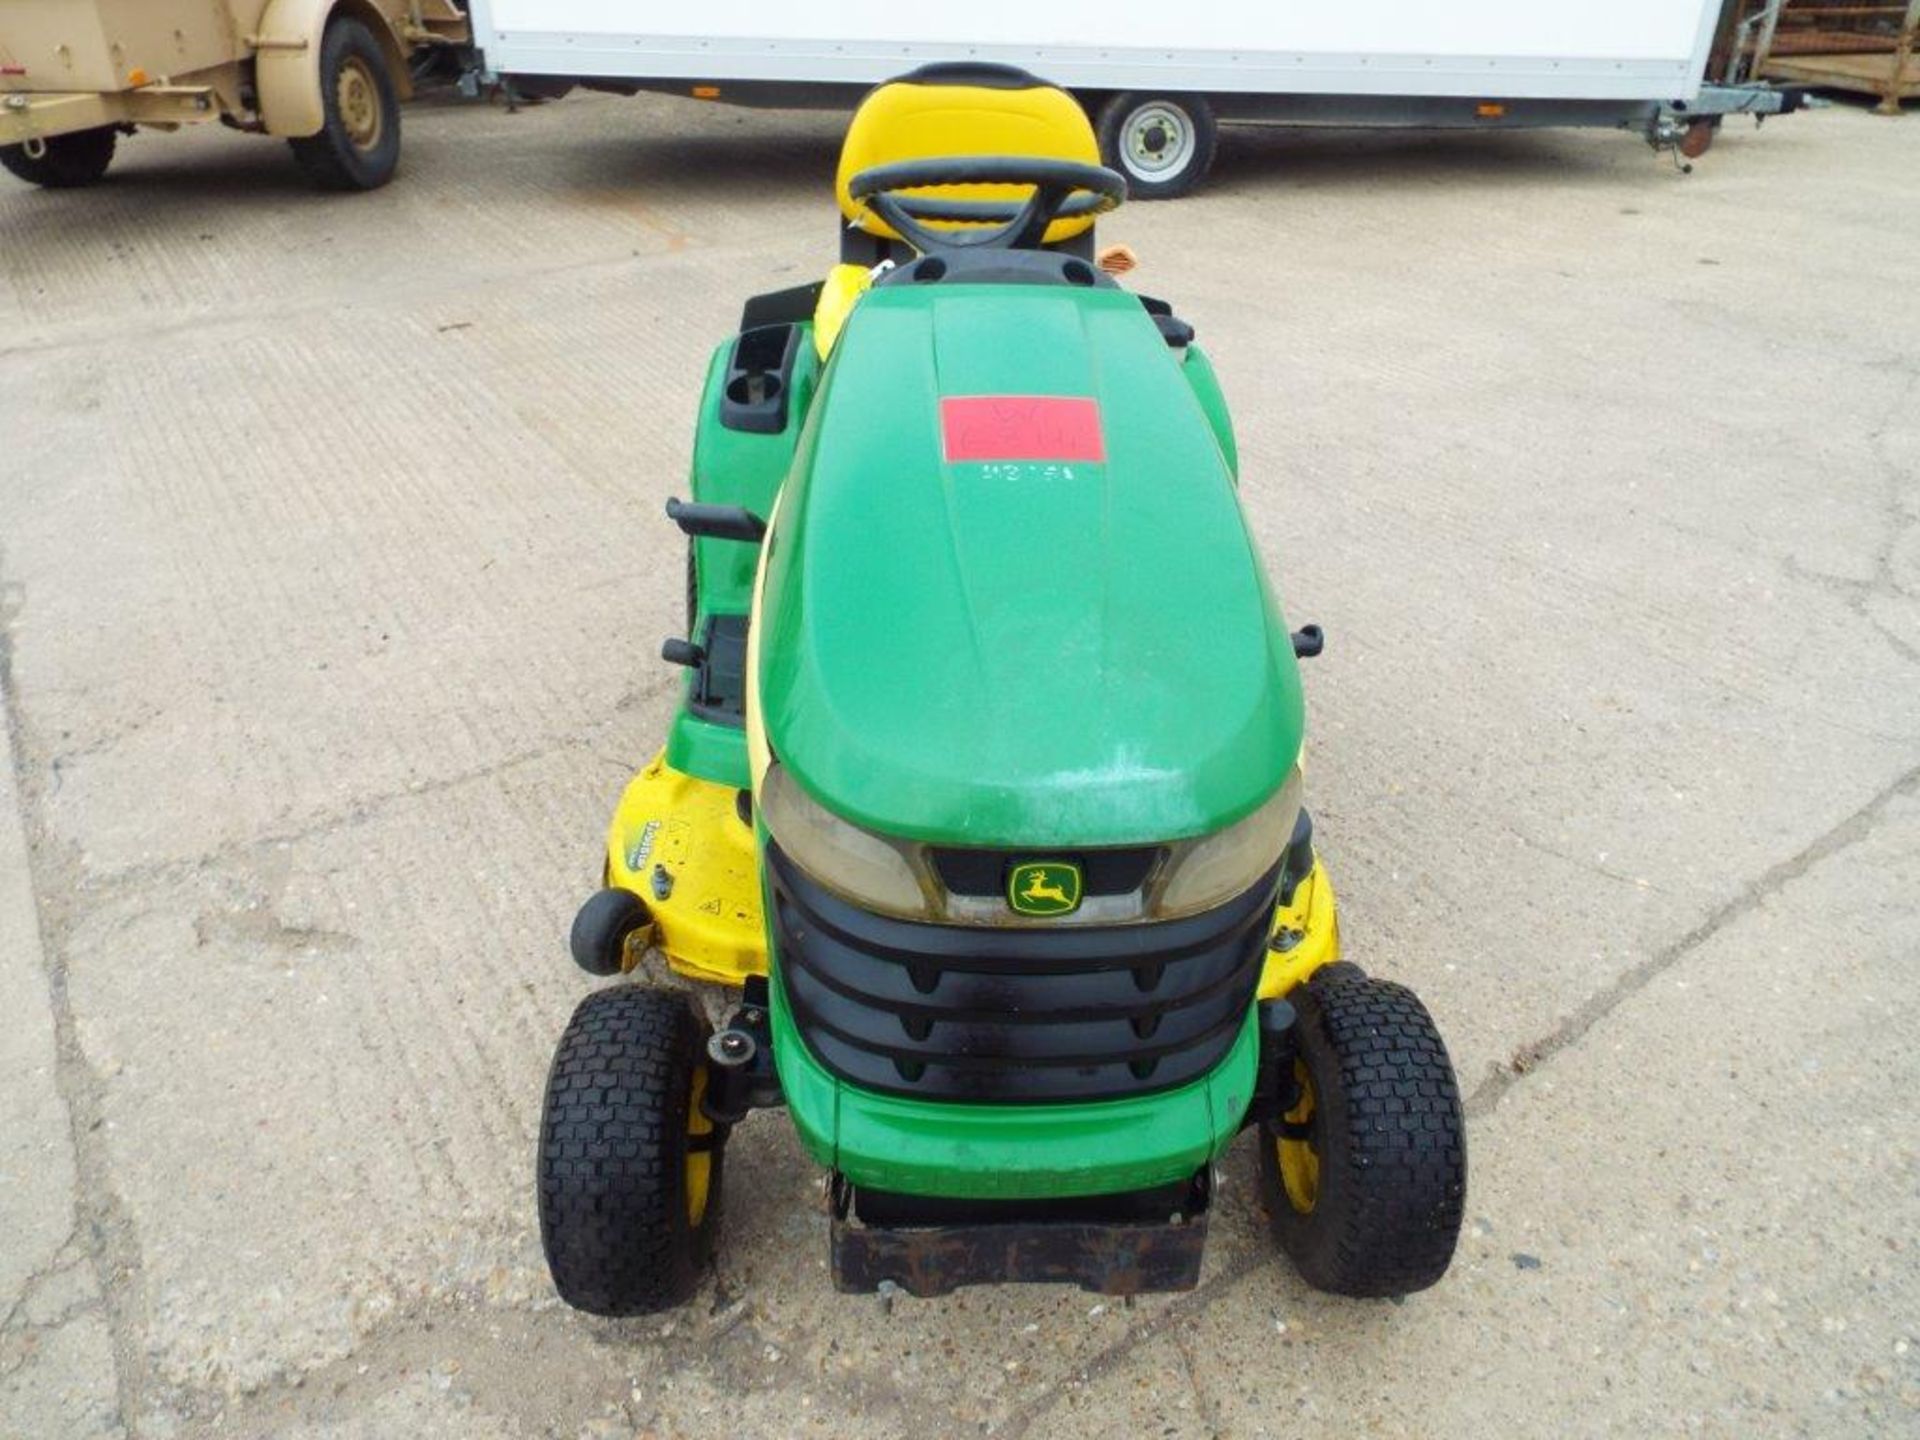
[941, 110]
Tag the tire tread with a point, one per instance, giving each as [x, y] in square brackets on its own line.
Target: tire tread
[613, 1215]
[1393, 1158]
[328, 158]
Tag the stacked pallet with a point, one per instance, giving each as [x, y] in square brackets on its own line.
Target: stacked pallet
[1852, 45]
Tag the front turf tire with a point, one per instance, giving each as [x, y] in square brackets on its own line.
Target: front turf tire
[358, 145]
[629, 1169]
[1365, 1181]
[67, 163]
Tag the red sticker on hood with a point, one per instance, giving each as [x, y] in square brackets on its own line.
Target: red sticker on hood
[1021, 427]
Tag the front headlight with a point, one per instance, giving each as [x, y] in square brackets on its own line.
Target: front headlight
[1215, 868]
[859, 866]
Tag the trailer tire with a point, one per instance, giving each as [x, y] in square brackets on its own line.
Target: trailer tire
[1163, 144]
[358, 145]
[67, 162]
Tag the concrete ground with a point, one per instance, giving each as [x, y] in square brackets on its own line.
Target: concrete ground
[332, 571]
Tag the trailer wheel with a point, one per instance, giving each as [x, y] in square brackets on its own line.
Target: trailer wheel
[64, 162]
[358, 147]
[1163, 144]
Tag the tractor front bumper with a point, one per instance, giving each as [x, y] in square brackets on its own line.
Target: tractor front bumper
[1138, 1244]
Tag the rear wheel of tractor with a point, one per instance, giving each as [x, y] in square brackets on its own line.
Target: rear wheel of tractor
[1163, 144]
[1365, 1178]
[358, 147]
[629, 1165]
[64, 162]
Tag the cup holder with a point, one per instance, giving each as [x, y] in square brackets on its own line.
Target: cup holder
[752, 389]
[755, 396]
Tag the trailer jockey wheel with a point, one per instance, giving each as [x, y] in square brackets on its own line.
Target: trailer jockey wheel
[1698, 136]
[1163, 144]
[358, 146]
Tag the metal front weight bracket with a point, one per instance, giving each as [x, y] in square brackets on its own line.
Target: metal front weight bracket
[740, 1072]
[1276, 1090]
[1106, 1257]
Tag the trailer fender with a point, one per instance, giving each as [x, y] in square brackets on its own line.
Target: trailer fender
[287, 61]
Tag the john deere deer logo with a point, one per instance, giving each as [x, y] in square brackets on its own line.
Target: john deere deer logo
[1044, 887]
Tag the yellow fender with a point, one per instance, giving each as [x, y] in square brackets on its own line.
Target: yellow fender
[286, 62]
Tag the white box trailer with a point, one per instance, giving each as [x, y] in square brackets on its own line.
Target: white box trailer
[1159, 79]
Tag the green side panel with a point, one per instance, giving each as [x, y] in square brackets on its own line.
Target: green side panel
[1011, 1152]
[711, 752]
[1206, 389]
[733, 467]
[1020, 652]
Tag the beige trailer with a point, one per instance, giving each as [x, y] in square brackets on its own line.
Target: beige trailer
[328, 75]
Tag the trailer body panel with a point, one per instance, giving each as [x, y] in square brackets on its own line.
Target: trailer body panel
[1653, 50]
[110, 45]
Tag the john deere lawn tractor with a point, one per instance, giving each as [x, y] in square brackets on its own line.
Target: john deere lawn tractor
[984, 799]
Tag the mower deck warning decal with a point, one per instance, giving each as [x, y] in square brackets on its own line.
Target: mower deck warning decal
[1021, 427]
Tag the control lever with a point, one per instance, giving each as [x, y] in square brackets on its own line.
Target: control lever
[717, 522]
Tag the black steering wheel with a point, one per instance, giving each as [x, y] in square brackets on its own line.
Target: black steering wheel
[1062, 190]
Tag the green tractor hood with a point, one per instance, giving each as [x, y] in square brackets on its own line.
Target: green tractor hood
[1011, 598]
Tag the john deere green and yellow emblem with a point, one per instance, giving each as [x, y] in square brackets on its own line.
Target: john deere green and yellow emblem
[1044, 887]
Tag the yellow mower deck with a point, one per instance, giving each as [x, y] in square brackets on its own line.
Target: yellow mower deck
[708, 922]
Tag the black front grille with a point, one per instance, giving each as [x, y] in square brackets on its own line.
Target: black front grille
[1005, 1014]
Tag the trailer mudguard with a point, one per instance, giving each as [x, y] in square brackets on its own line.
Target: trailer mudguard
[286, 66]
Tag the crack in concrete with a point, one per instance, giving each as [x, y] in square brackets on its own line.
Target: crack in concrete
[719, 1344]
[1631, 981]
[1202, 1402]
[1594, 867]
[24, 1338]
[1884, 584]
[110, 1240]
[361, 812]
[1169, 1317]
[58, 1263]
